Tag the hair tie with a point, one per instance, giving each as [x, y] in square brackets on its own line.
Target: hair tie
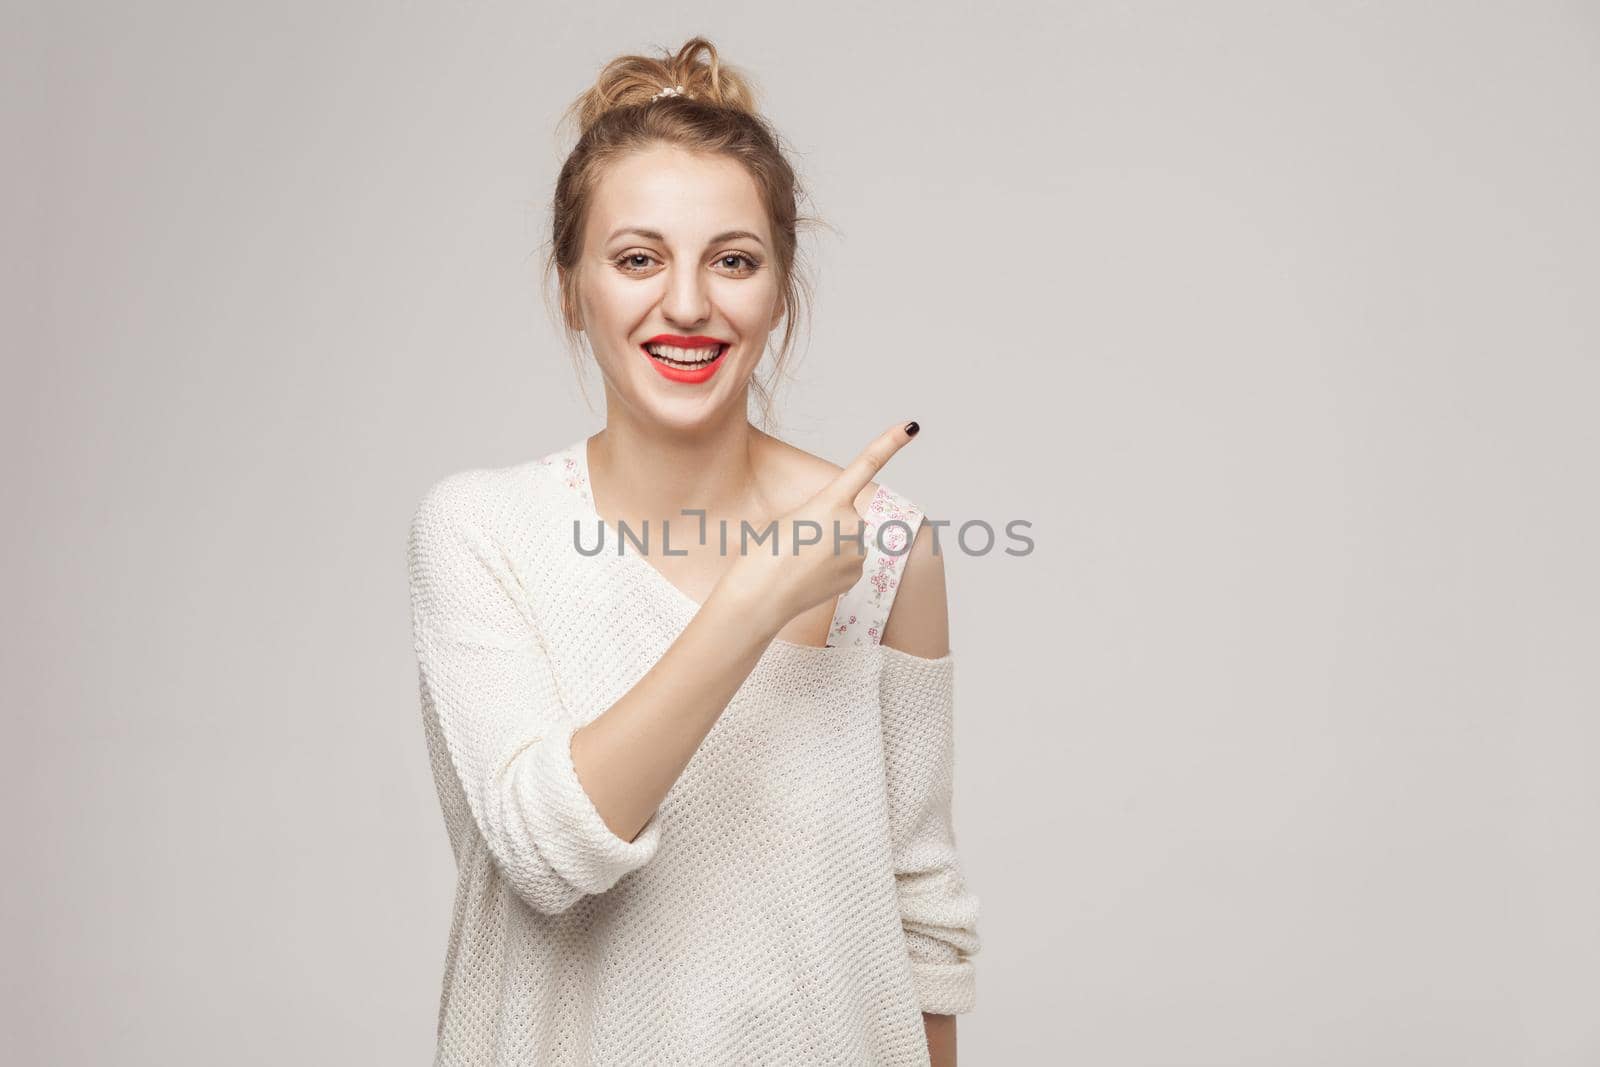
[676, 90]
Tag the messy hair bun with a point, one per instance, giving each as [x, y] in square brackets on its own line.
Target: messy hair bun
[632, 80]
[691, 100]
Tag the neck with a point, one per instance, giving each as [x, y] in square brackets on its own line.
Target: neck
[652, 471]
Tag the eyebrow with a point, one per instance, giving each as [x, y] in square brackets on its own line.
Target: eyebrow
[654, 235]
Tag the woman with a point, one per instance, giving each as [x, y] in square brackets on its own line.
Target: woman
[699, 796]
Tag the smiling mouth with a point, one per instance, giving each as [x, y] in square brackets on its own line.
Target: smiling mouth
[685, 358]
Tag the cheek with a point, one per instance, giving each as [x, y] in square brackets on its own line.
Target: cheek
[749, 307]
[612, 300]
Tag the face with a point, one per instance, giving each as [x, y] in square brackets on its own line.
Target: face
[677, 251]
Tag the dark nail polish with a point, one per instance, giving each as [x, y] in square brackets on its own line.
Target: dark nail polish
[912, 428]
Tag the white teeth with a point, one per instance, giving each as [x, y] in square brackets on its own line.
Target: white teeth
[690, 356]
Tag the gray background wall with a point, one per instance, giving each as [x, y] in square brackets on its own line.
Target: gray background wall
[1276, 320]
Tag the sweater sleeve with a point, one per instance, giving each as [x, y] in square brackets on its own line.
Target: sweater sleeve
[484, 671]
[939, 914]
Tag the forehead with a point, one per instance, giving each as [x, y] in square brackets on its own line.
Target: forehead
[686, 196]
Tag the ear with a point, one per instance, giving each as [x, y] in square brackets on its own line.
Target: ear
[777, 313]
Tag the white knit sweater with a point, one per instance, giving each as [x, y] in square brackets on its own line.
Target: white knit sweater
[795, 899]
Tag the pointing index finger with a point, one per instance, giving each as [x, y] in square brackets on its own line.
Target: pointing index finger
[847, 485]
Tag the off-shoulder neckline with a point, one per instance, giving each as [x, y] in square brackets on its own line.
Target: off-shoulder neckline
[685, 606]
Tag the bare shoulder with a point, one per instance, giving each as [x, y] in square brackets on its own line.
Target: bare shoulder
[802, 474]
[919, 620]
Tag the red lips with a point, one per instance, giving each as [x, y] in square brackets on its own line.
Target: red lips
[685, 375]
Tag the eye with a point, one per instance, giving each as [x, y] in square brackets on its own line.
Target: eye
[624, 262]
[751, 263]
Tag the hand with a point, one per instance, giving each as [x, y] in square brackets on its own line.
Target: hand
[799, 576]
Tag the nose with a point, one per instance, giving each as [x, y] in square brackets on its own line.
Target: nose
[686, 303]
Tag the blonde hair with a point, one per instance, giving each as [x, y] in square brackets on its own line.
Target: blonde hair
[715, 113]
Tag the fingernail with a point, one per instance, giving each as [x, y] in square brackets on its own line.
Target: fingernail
[912, 428]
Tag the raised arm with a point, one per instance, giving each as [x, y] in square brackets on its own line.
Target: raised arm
[632, 753]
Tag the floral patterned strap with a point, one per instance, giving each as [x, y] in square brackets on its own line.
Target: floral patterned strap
[863, 610]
